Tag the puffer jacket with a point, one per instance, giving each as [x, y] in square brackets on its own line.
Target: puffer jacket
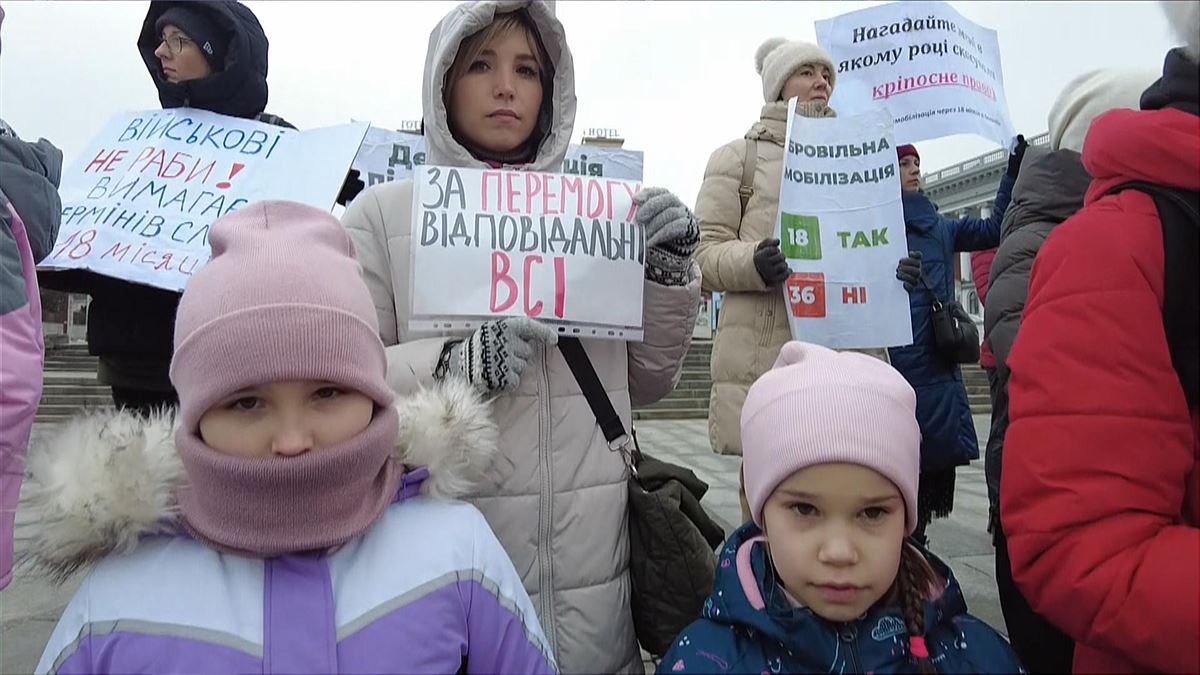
[30, 212]
[943, 412]
[559, 504]
[1100, 496]
[748, 626]
[427, 589]
[1049, 190]
[131, 326]
[753, 323]
[981, 267]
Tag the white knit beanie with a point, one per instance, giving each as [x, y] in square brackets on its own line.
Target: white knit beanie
[777, 59]
[1090, 95]
[1183, 16]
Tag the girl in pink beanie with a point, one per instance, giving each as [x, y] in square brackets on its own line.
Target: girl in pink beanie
[290, 517]
[823, 579]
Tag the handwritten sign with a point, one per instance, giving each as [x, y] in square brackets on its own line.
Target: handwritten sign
[559, 248]
[937, 72]
[841, 227]
[138, 203]
[393, 155]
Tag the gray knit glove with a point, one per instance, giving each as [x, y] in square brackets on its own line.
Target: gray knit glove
[496, 354]
[671, 235]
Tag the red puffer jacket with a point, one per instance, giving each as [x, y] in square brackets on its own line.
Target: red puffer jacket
[981, 272]
[1100, 485]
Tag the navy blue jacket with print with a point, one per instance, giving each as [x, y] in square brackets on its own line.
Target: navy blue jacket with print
[947, 432]
[734, 637]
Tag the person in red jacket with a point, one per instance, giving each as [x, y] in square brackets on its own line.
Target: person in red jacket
[981, 268]
[1100, 489]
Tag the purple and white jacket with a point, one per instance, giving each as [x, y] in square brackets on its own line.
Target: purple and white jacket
[428, 589]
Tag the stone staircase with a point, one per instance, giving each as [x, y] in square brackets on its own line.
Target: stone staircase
[70, 384]
[690, 398]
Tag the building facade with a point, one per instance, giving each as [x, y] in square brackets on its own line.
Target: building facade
[969, 189]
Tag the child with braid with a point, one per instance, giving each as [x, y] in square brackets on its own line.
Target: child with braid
[823, 579]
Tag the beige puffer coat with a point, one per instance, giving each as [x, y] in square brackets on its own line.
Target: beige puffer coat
[752, 325]
[557, 501]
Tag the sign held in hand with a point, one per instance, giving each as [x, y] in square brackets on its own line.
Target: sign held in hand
[488, 243]
[841, 227]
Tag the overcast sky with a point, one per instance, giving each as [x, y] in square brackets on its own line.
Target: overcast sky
[676, 79]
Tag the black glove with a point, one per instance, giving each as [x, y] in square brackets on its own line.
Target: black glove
[770, 263]
[350, 188]
[909, 270]
[1018, 153]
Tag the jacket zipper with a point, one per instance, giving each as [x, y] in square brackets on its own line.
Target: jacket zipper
[546, 505]
[767, 309]
[847, 634]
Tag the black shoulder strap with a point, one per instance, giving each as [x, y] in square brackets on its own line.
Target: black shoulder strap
[597, 398]
[1179, 211]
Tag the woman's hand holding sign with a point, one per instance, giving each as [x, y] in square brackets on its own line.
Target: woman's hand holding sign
[671, 235]
[495, 356]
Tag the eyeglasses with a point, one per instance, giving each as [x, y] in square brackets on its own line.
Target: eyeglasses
[175, 43]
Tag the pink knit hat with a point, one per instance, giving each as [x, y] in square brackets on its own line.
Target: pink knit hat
[818, 406]
[280, 300]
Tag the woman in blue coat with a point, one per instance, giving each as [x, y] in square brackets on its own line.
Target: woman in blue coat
[947, 430]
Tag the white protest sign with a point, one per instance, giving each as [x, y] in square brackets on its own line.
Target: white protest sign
[935, 71]
[841, 227]
[563, 249]
[139, 201]
[388, 155]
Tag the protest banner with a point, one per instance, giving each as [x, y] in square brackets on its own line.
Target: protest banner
[841, 227]
[139, 201]
[937, 72]
[393, 155]
[564, 249]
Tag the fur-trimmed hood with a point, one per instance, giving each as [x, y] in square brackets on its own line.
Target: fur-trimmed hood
[103, 481]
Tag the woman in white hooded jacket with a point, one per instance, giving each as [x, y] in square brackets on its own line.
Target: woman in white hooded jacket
[499, 91]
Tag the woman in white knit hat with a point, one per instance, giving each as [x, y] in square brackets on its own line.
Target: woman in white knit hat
[736, 209]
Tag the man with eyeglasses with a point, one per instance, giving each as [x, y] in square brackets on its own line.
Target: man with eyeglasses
[183, 57]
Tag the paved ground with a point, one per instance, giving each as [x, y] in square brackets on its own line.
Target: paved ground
[29, 608]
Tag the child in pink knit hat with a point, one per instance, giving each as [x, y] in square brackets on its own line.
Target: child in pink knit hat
[823, 579]
[298, 512]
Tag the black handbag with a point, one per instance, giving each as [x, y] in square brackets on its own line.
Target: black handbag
[672, 563]
[955, 335]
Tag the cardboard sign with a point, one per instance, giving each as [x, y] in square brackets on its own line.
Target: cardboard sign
[559, 248]
[393, 155]
[935, 71]
[139, 202]
[841, 227]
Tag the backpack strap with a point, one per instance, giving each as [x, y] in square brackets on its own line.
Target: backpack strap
[1179, 212]
[746, 190]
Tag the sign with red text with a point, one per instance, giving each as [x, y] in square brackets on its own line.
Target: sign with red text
[139, 202]
[388, 155]
[559, 248]
[841, 228]
[937, 72]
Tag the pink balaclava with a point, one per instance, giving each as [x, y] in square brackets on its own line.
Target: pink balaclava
[281, 300]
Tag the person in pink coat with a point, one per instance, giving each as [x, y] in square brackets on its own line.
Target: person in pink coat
[30, 211]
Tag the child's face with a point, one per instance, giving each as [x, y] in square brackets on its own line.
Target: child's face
[285, 419]
[835, 533]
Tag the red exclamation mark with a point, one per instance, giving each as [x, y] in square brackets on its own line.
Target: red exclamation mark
[225, 184]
